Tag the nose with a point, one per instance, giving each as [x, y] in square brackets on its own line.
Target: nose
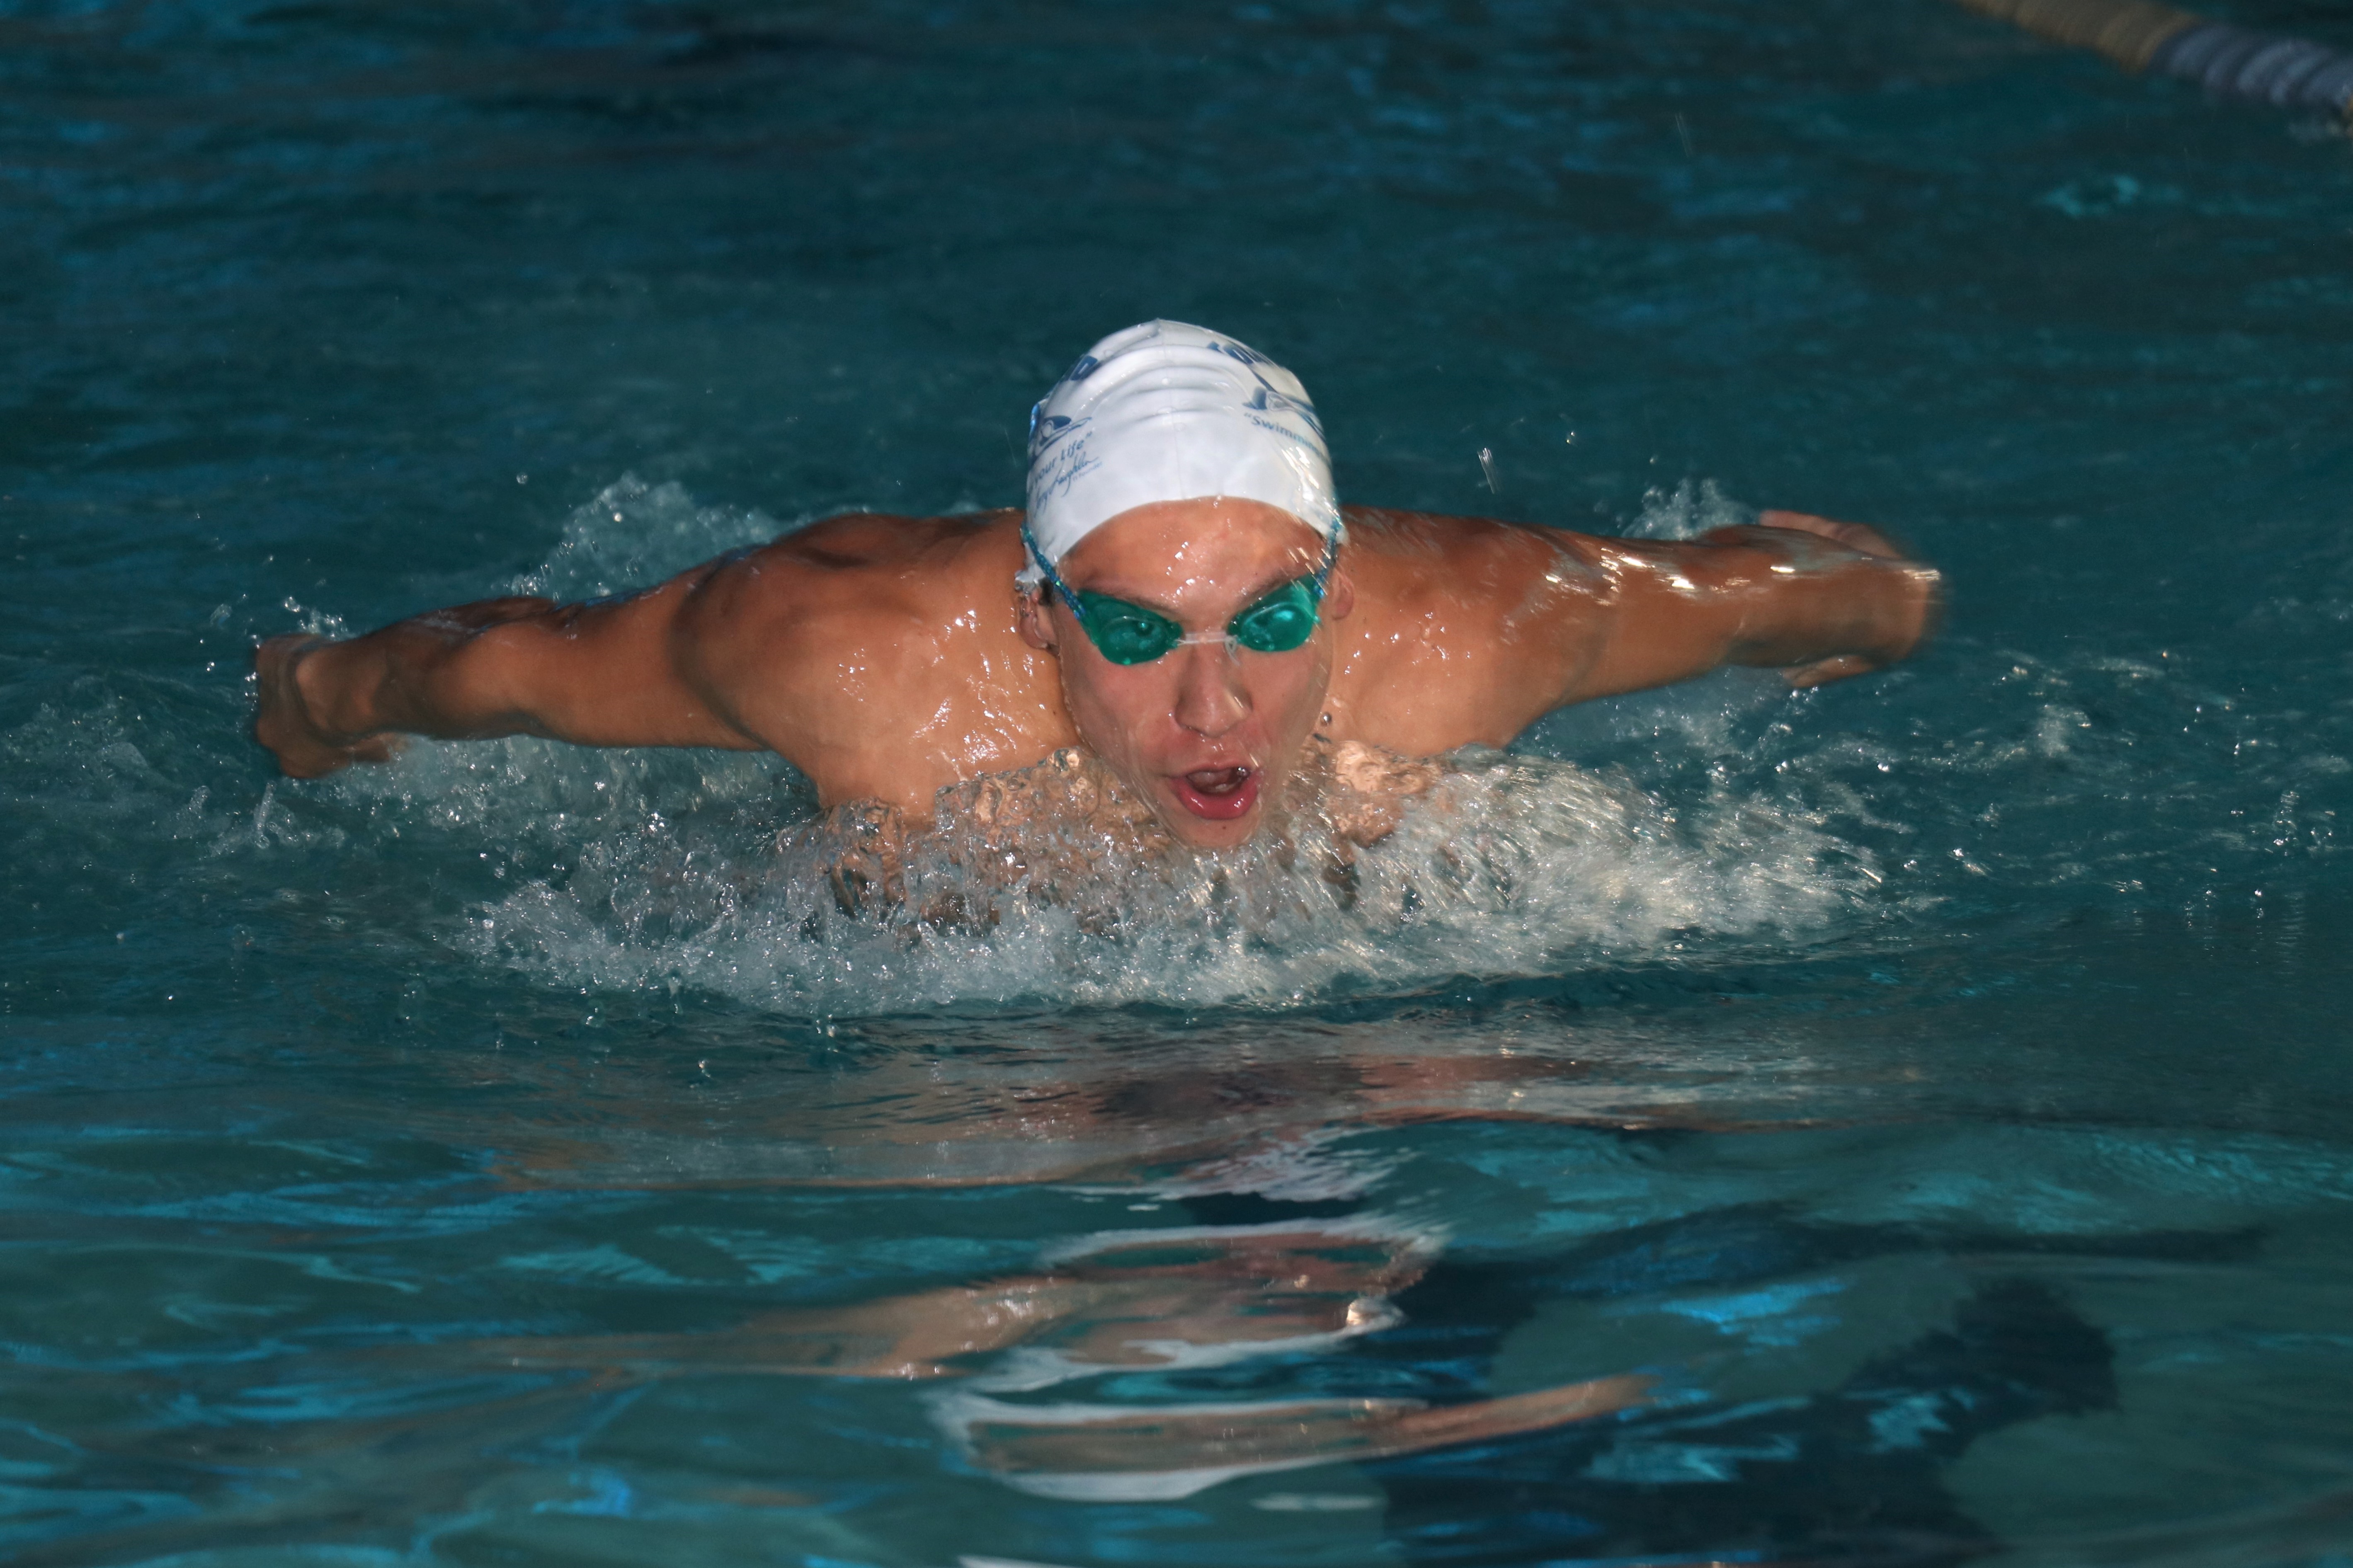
[1210, 697]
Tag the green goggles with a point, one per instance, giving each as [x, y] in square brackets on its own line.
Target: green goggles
[1129, 634]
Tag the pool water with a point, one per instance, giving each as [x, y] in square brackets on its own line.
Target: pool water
[1897, 1122]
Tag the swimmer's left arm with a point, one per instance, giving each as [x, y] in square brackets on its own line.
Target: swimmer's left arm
[1819, 600]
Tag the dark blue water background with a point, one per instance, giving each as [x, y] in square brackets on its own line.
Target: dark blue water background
[2025, 960]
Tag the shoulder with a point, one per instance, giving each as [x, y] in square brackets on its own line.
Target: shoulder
[1420, 554]
[1475, 576]
[1462, 627]
[859, 574]
[880, 654]
[900, 558]
[886, 542]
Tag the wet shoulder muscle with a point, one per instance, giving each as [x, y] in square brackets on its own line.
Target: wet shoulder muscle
[866, 650]
[1465, 630]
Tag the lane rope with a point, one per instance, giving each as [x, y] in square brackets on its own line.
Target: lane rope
[2143, 35]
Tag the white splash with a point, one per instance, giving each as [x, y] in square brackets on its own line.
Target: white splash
[1517, 865]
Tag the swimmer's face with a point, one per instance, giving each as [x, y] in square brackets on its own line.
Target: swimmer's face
[1207, 732]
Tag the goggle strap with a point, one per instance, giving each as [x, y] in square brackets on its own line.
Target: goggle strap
[1323, 573]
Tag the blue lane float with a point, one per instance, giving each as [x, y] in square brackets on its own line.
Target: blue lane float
[2228, 61]
[2235, 62]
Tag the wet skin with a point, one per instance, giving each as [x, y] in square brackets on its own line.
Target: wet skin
[888, 657]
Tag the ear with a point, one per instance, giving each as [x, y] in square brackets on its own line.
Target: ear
[1030, 611]
[1339, 596]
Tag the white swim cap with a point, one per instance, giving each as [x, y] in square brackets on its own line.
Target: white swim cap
[1168, 412]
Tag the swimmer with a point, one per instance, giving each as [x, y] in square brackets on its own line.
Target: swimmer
[1183, 603]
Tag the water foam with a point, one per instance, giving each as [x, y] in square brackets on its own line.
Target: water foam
[1515, 865]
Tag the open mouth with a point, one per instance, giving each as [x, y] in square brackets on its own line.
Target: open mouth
[1217, 795]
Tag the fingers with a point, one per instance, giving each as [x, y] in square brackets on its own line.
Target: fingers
[282, 724]
[1911, 612]
[304, 764]
[307, 759]
[1822, 671]
[1854, 535]
[272, 657]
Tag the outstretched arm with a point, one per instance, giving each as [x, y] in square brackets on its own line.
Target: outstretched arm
[600, 674]
[1822, 600]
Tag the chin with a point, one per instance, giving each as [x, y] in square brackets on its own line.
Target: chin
[1212, 835]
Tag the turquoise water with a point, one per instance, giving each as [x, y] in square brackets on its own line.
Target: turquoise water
[1936, 1085]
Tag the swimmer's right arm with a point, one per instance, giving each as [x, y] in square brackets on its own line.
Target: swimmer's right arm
[600, 674]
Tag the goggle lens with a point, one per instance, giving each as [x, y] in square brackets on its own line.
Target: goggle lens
[1125, 633]
[1281, 621]
[1129, 634]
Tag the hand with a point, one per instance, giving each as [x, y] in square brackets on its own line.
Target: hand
[1913, 608]
[1854, 535]
[282, 722]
